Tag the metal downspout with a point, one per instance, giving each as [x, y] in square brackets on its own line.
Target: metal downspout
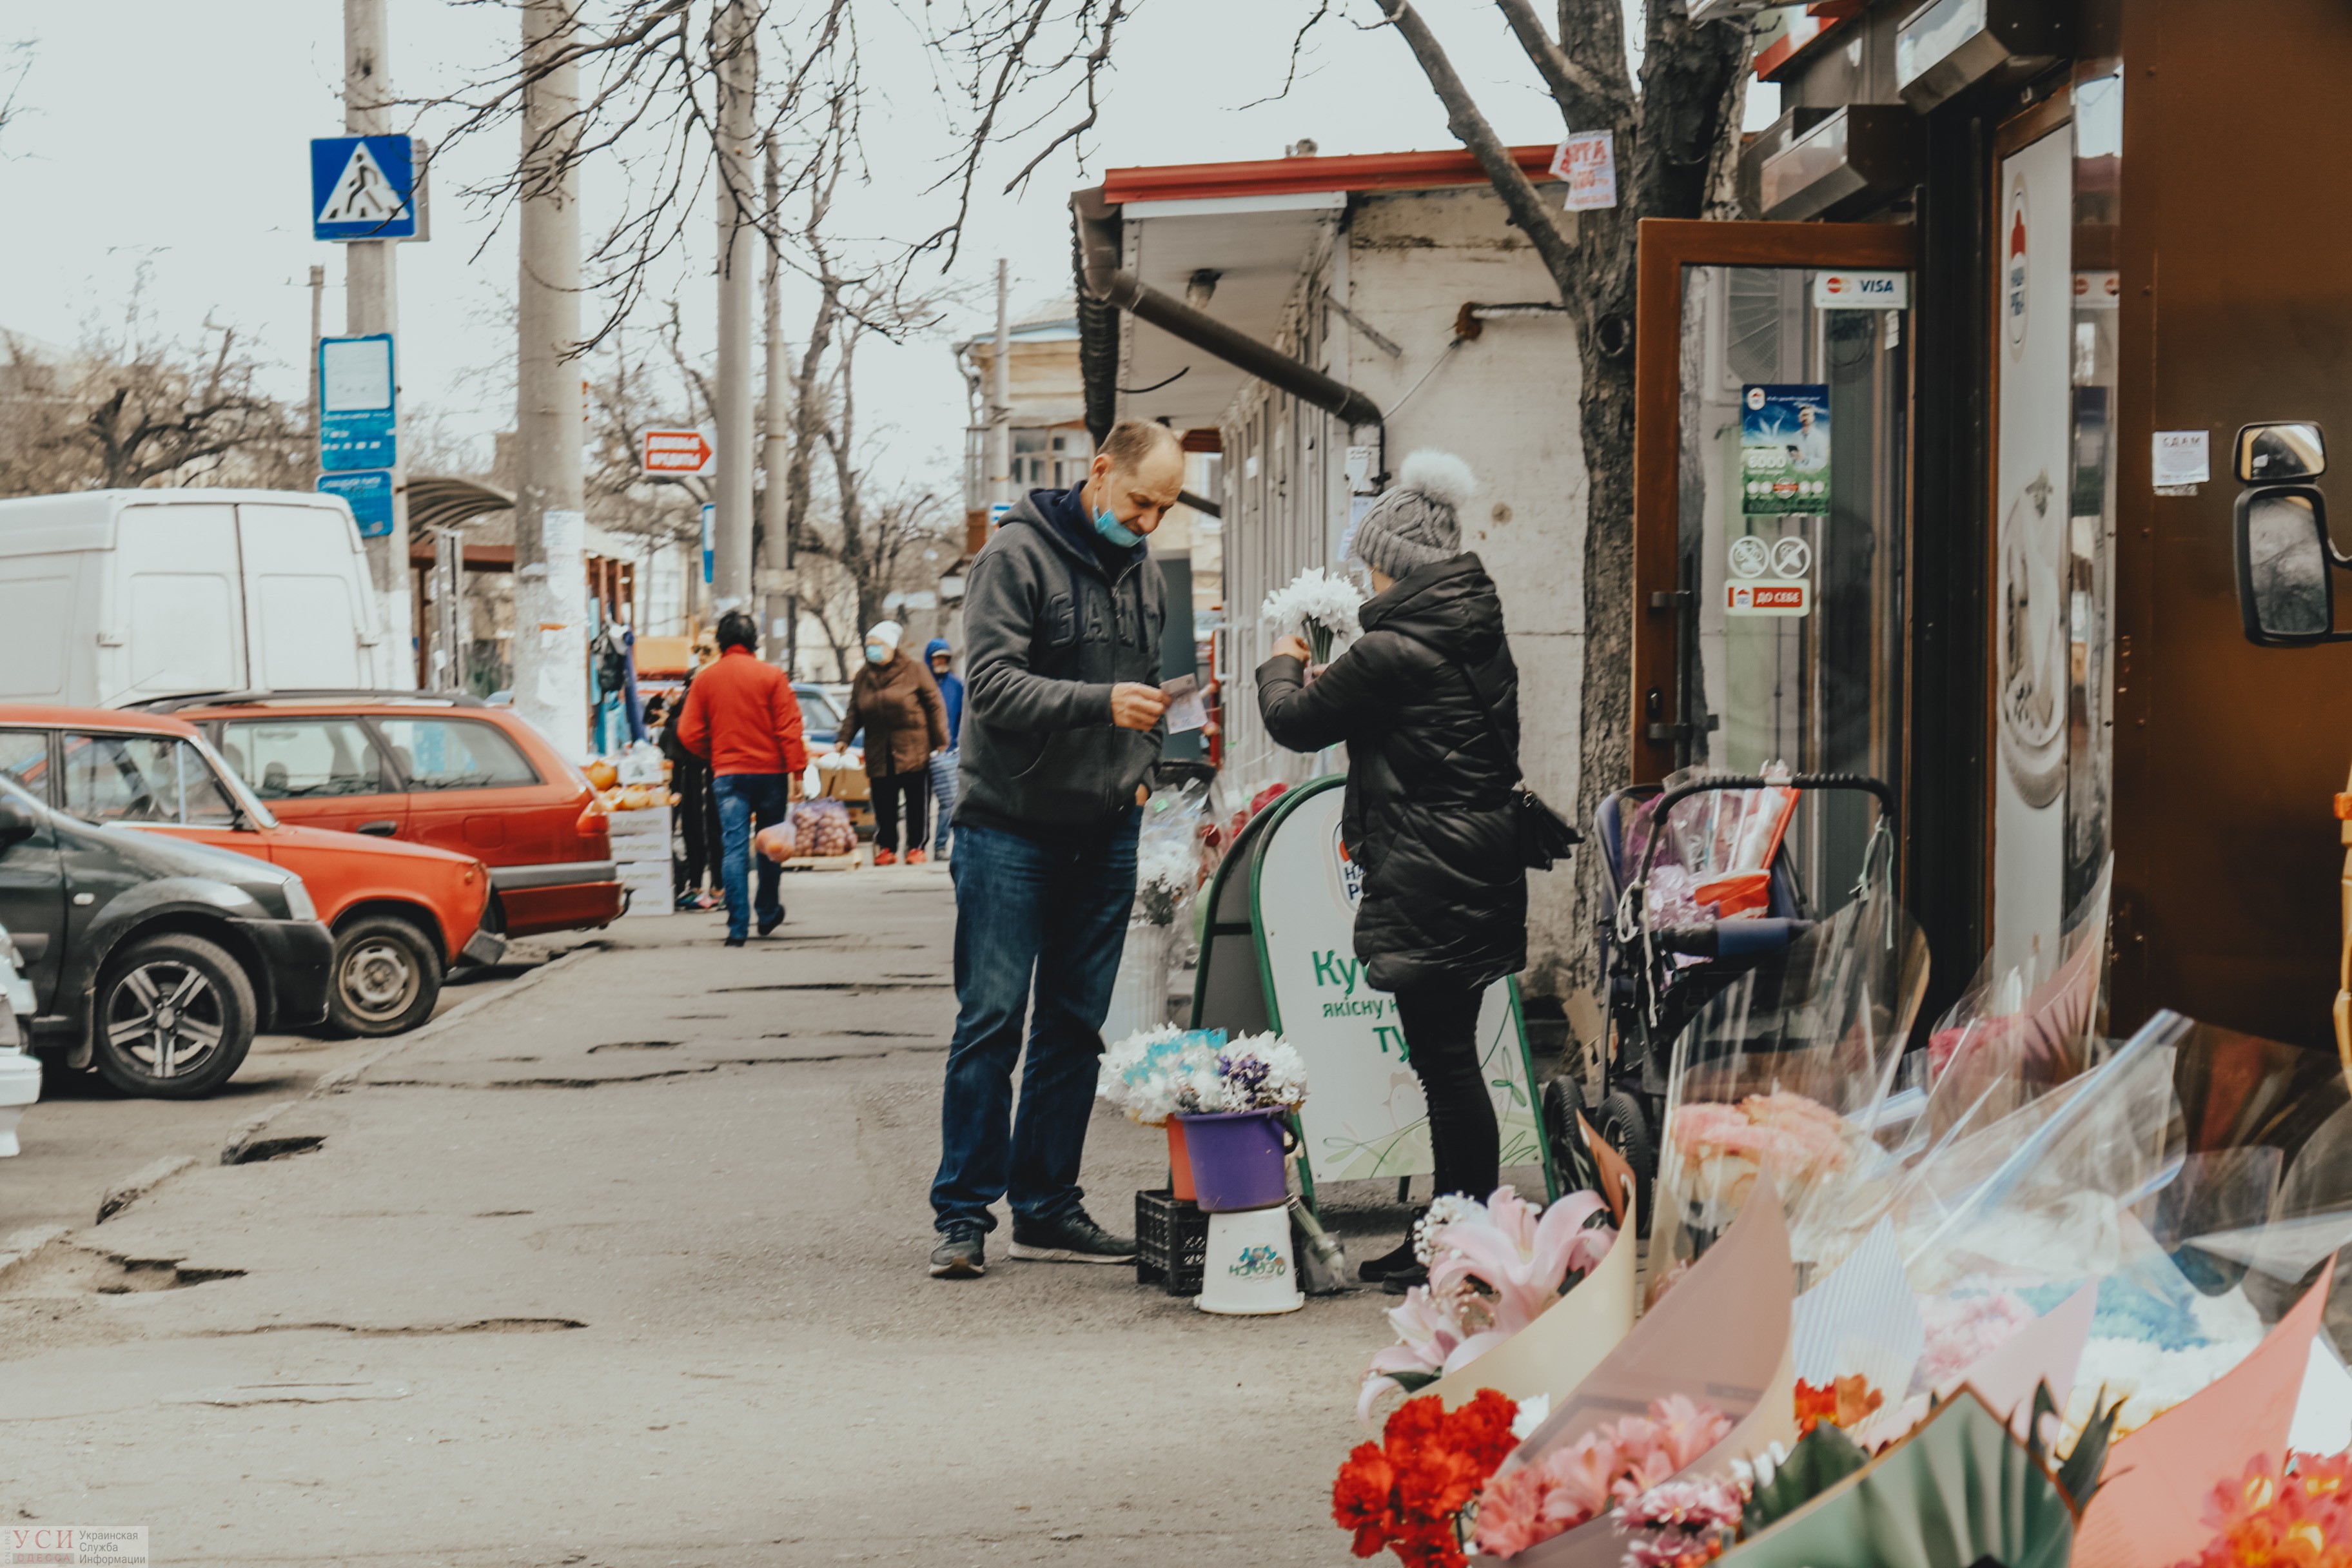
[1101, 280]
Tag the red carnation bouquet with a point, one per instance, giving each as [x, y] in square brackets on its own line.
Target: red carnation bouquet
[1407, 1492]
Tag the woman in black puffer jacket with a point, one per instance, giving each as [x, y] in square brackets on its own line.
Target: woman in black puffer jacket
[1429, 813]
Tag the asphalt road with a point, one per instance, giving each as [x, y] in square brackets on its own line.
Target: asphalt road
[628, 1267]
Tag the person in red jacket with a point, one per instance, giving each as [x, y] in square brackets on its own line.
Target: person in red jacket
[741, 717]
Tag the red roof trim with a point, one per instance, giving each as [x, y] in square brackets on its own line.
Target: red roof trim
[1298, 176]
[1803, 33]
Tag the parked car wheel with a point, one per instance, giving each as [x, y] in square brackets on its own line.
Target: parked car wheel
[175, 1016]
[387, 977]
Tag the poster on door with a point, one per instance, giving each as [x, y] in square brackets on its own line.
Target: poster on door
[1784, 449]
[1365, 1116]
[2031, 635]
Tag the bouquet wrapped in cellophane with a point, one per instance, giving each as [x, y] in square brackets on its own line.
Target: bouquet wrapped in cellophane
[1787, 1070]
[2026, 1024]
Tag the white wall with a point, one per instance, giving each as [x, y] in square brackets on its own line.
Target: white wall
[1505, 404]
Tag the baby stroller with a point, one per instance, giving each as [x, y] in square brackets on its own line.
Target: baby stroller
[1678, 934]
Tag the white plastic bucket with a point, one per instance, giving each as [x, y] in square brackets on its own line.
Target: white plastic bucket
[1248, 1270]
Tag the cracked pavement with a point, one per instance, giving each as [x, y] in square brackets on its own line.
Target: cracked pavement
[626, 1267]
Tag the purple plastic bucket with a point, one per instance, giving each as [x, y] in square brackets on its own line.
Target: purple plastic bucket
[1236, 1159]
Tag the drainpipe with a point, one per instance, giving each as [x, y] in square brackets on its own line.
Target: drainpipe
[1101, 279]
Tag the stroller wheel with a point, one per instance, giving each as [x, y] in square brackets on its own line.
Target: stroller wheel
[1571, 1158]
[1626, 1126]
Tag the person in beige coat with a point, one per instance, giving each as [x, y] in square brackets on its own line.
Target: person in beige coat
[895, 703]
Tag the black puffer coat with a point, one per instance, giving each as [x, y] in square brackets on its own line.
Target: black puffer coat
[1428, 812]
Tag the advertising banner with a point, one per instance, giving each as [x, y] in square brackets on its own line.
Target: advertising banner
[2033, 343]
[1784, 449]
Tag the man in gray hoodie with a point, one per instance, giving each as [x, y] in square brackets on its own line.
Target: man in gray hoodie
[1062, 612]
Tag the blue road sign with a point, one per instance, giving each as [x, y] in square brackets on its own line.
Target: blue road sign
[363, 187]
[709, 543]
[358, 403]
[368, 491]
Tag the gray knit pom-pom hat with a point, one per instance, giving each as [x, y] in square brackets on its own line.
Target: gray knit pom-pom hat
[1417, 520]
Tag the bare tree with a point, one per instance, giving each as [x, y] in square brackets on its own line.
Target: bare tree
[141, 413]
[1674, 137]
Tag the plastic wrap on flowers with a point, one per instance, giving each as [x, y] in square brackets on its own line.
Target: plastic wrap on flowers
[2024, 1025]
[1786, 1071]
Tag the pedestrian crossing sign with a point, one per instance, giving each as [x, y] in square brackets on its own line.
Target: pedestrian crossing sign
[366, 188]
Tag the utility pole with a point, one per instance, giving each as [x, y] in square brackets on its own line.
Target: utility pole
[550, 640]
[1000, 393]
[779, 603]
[372, 302]
[318, 330]
[736, 64]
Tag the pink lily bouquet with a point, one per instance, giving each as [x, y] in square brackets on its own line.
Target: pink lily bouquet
[1493, 1268]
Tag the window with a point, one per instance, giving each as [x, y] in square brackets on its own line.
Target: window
[25, 757]
[304, 759]
[143, 778]
[817, 709]
[455, 753]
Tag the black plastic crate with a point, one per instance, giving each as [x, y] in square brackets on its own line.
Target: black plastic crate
[1171, 1242]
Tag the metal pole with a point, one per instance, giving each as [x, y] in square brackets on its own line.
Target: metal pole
[318, 331]
[1000, 393]
[737, 67]
[550, 640]
[775, 574]
[372, 304]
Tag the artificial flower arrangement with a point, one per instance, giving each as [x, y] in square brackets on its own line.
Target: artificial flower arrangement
[1493, 1268]
[1157, 1074]
[1318, 606]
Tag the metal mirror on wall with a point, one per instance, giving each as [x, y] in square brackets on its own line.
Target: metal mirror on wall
[2280, 453]
[2286, 590]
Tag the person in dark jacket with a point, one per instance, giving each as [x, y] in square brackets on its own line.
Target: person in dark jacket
[1429, 814]
[698, 808]
[941, 656]
[1062, 612]
[895, 703]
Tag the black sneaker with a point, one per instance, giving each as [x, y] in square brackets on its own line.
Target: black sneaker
[768, 928]
[962, 1253]
[1069, 1237]
[734, 942]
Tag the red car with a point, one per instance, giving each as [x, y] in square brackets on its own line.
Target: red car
[442, 770]
[401, 914]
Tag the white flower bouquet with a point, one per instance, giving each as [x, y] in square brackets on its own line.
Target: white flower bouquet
[1319, 607]
[1167, 868]
[1261, 1072]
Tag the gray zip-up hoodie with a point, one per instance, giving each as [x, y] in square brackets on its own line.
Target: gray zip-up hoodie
[1048, 630]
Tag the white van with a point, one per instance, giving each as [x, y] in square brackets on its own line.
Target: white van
[111, 597]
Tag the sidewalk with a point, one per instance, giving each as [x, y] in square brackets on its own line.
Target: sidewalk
[628, 1267]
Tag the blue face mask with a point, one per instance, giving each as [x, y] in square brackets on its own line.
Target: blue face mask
[877, 654]
[1115, 532]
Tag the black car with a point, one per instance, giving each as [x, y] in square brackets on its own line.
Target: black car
[154, 960]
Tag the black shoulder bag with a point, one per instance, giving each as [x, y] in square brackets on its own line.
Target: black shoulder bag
[1544, 834]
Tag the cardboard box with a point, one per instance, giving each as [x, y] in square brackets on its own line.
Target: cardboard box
[648, 886]
[641, 834]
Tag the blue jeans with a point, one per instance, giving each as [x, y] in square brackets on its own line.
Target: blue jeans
[742, 797]
[943, 790]
[1058, 911]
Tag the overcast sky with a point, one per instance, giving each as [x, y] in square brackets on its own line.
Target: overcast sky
[176, 135]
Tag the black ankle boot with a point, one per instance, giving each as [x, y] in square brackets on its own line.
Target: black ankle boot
[1389, 1266]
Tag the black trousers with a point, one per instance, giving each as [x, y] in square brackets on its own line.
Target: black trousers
[915, 789]
[698, 820]
[1441, 1030]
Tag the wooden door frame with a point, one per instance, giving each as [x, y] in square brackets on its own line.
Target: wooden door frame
[1667, 246]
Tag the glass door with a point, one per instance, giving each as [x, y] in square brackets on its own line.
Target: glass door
[1784, 535]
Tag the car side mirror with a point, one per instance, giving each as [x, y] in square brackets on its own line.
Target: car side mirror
[2286, 591]
[2279, 453]
[18, 822]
